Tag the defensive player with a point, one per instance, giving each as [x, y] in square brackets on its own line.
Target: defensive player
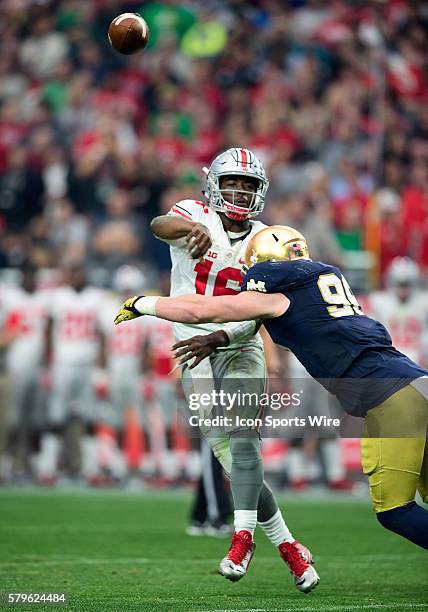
[208, 242]
[309, 307]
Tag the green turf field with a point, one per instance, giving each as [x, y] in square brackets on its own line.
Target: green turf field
[115, 551]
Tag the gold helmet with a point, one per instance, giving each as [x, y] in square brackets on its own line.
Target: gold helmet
[276, 243]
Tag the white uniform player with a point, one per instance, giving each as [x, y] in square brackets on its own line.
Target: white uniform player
[219, 272]
[123, 347]
[159, 338]
[123, 356]
[24, 323]
[75, 349]
[25, 316]
[403, 309]
[208, 243]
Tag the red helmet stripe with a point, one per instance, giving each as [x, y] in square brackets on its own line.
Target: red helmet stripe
[244, 160]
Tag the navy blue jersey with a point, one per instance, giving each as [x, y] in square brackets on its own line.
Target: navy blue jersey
[326, 330]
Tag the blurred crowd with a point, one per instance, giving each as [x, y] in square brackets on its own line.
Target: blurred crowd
[331, 96]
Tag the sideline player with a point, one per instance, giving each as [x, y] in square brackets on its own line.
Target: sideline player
[74, 345]
[309, 307]
[208, 242]
[24, 310]
[123, 358]
[403, 308]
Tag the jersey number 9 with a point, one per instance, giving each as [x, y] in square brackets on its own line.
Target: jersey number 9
[338, 294]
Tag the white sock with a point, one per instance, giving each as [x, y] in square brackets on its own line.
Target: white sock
[245, 519]
[276, 529]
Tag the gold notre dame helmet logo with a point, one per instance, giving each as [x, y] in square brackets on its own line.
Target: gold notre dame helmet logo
[276, 243]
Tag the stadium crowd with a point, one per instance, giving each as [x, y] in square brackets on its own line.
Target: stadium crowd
[332, 97]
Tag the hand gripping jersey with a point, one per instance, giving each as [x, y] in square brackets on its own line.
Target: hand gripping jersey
[327, 331]
[217, 273]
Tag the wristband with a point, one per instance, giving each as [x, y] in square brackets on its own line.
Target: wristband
[146, 305]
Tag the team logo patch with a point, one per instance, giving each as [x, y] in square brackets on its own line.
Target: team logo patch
[259, 285]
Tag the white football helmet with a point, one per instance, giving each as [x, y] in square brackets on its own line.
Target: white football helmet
[403, 271]
[128, 279]
[236, 162]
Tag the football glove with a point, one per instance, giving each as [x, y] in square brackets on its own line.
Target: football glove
[127, 311]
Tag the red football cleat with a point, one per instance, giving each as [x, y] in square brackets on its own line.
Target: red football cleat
[235, 564]
[299, 560]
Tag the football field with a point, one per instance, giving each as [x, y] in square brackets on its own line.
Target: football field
[117, 551]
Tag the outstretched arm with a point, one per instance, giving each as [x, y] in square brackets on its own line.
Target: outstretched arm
[176, 230]
[196, 309]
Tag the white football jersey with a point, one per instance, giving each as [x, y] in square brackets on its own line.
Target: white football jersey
[407, 322]
[26, 314]
[75, 325]
[124, 343]
[217, 273]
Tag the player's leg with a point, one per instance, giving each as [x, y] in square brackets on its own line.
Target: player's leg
[423, 480]
[24, 385]
[253, 499]
[83, 446]
[47, 462]
[212, 506]
[224, 501]
[394, 465]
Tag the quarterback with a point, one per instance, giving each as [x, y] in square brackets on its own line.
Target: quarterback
[309, 307]
[208, 241]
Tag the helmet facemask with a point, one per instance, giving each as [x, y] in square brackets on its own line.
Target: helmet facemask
[236, 162]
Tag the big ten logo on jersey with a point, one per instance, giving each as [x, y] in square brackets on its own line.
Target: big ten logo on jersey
[75, 326]
[126, 339]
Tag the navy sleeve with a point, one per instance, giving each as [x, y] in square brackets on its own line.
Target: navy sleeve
[268, 277]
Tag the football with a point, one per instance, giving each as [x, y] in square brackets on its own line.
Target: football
[128, 33]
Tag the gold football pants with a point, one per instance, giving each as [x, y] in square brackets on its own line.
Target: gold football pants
[397, 467]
